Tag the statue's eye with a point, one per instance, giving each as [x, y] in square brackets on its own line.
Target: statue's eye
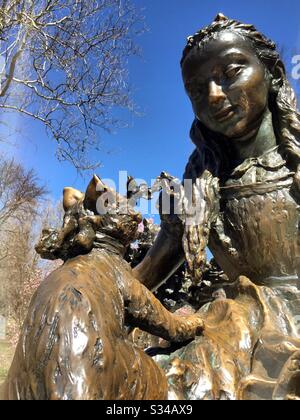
[232, 71]
[195, 91]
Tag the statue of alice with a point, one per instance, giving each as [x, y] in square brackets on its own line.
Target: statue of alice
[246, 167]
[247, 158]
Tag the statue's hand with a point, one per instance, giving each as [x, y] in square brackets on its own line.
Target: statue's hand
[191, 326]
[197, 325]
[188, 328]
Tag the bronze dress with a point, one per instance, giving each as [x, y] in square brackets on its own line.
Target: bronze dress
[249, 347]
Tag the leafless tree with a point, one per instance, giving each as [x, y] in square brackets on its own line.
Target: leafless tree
[18, 271]
[64, 64]
[24, 212]
[19, 192]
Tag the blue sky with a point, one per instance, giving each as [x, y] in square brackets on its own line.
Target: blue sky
[160, 139]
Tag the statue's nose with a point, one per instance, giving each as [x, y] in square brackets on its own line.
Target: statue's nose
[215, 93]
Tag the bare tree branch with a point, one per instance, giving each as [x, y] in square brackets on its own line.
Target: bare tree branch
[19, 192]
[66, 66]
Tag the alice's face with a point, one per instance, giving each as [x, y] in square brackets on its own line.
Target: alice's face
[227, 85]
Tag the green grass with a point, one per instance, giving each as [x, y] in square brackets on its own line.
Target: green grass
[6, 355]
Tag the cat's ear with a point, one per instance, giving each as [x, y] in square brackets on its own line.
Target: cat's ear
[71, 196]
[93, 192]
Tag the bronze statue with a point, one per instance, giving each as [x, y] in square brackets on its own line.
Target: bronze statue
[74, 343]
[246, 180]
[247, 136]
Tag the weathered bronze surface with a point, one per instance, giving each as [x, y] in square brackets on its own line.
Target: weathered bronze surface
[247, 137]
[246, 175]
[74, 343]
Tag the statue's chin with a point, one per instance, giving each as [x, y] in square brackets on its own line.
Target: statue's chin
[241, 132]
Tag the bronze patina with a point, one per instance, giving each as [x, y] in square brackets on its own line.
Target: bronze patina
[74, 343]
[247, 136]
[245, 172]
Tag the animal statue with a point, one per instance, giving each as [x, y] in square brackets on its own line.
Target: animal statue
[74, 343]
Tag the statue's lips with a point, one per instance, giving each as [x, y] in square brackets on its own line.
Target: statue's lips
[224, 114]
